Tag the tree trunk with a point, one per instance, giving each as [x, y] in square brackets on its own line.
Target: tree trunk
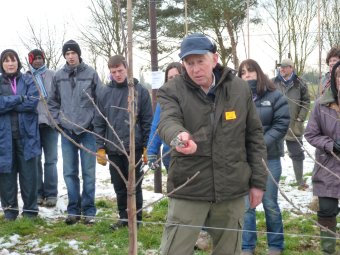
[131, 203]
[233, 43]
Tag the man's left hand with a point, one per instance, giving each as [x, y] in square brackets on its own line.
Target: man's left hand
[255, 197]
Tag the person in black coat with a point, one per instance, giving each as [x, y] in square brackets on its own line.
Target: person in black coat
[272, 108]
[113, 103]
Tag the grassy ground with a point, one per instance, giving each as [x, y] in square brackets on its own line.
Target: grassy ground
[42, 236]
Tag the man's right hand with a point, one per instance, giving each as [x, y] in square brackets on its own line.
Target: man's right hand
[187, 146]
[101, 157]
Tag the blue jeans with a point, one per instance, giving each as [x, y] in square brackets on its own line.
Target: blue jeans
[272, 213]
[48, 176]
[27, 171]
[84, 203]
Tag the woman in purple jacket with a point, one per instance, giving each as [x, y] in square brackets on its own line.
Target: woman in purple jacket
[323, 132]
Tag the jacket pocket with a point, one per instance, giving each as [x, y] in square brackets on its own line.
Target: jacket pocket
[85, 91]
[30, 124]
[297, 128]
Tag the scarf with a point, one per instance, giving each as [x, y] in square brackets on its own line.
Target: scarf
[14, 85]
[289, 80]
[253, 87]
[38, 76]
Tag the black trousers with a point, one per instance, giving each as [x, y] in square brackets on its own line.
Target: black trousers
[120, 187]
[328, 207]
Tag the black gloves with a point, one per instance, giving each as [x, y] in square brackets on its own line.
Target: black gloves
[152, 162]
[336, 146]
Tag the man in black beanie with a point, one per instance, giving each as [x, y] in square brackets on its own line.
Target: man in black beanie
[73, 112]
[71, 45]
[47, 175]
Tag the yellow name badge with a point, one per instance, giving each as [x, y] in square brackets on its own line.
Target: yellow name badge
[230, 115]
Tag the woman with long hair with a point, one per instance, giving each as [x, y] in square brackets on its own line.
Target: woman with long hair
[272, 108]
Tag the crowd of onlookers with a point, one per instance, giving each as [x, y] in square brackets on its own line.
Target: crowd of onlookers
[215, 180]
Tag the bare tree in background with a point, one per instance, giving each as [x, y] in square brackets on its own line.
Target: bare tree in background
[302, 31]
[48, 40]
[105, 34]
[330, 23]
[276, 10]
[294, 32]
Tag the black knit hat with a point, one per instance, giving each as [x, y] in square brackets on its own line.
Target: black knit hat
[71, 45]
[33, 54]
[4, 55]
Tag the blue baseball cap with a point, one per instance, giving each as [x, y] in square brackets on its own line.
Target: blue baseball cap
[196, 44]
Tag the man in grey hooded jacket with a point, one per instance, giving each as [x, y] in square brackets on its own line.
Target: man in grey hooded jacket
[70, 105]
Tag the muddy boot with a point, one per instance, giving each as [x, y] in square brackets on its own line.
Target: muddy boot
[327, 240]
[314, 204]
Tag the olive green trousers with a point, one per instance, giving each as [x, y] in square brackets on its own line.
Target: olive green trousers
[222, 220]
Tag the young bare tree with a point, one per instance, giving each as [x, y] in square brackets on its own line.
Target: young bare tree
[47, 39]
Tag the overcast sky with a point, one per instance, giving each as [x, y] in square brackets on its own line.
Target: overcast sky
[74, 14]
[14, 15]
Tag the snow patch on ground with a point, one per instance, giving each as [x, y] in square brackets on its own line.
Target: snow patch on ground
[104, 189]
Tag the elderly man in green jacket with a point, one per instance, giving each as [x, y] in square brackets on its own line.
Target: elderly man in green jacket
[296, 90]
[209, 117]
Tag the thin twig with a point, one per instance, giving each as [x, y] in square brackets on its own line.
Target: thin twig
[293, 205]
[172, 192]
[122, 149]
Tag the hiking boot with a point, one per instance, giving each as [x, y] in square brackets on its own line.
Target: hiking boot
[274, 252]
[247, 253]
[314, 204]
[203, 241]
[303, 186]
[119, 224]
[50, 202]
[40, 200]
[10, 219]
[89, 220]
[72, 219]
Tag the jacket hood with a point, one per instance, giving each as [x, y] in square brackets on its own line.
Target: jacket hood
[333, 82]
[74, 69]
[1, 66]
